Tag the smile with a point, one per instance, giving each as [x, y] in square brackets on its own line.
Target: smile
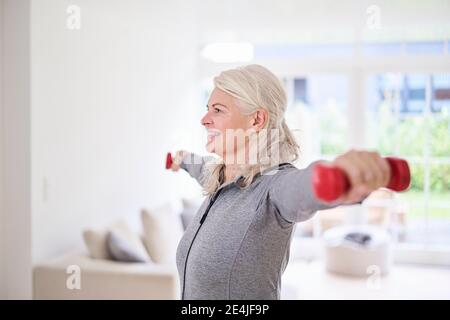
[213, 133]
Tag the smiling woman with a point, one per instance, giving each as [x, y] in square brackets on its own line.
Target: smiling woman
[247, 125]
[237, 246]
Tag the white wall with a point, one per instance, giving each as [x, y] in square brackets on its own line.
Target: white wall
[16, 149]
[106, 100]
[2, 220]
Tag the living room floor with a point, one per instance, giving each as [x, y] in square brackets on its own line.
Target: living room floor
[309, 280]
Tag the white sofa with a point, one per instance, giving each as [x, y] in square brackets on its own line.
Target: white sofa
[104, 279]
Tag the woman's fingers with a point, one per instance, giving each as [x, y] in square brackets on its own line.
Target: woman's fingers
[373, 175]
[379, 168]
[385, 168]
[366, 172]
[353, 166]
[176, 162]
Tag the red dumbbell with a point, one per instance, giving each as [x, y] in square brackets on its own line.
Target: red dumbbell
[169, 160]
[329, 183]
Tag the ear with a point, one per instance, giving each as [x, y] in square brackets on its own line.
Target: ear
[260, 118]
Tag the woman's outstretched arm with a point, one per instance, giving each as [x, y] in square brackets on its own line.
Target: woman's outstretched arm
[191, 163]
[292, 193]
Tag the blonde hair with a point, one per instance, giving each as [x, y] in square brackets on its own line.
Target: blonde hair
[255, 87]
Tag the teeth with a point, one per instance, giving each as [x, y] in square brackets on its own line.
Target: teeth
[213, 133]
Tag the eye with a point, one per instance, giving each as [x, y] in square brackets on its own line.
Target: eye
[215, 109]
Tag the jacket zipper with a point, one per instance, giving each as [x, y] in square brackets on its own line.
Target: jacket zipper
[211, 202]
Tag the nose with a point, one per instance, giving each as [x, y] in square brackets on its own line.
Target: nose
[206, 120]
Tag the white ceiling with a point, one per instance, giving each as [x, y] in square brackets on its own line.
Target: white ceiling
[287, 21]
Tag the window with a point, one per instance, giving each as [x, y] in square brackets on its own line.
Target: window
[408, 116]
[317, 113]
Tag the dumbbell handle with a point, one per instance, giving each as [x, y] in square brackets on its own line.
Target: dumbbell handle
[329, 183]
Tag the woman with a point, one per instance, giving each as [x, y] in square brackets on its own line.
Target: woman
[237, 246]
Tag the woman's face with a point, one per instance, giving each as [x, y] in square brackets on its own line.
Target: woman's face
[222, 121]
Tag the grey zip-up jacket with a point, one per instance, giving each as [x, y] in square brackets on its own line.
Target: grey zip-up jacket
[240, 248]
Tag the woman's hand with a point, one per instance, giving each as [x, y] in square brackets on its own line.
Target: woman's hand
[176, 161]
[366, 171]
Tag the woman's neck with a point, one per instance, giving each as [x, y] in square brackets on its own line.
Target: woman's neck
[234, 164]
[231, 171]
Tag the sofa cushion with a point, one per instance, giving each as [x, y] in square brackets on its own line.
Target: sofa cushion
[125, 245]
[162, 232]
[95, 241]
[99, 242]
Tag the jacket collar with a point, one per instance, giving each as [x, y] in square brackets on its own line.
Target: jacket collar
[268, 171]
